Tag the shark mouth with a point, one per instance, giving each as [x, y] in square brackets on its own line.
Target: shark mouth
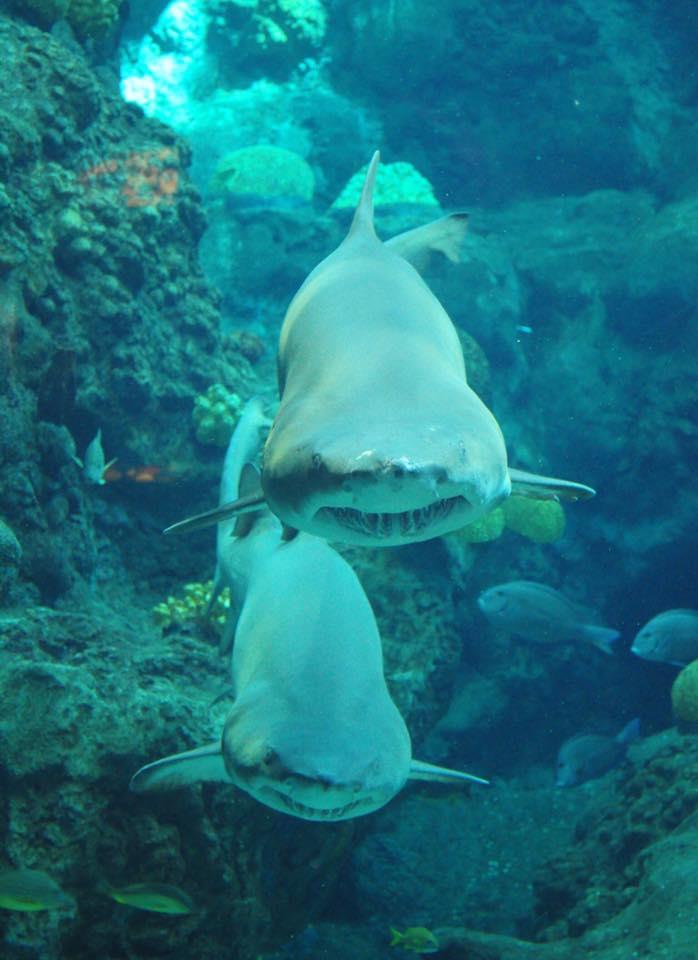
[408, 523]
[298, 809]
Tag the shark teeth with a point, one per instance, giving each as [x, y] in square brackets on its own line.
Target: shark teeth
[383, 525]
[317, 813]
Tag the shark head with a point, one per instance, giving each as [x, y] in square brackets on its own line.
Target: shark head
[300, 770]
[403, 481]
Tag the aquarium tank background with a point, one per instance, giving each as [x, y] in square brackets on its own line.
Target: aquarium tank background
[170, 174]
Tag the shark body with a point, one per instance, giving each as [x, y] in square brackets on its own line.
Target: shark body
[313, 731]
[379, 440]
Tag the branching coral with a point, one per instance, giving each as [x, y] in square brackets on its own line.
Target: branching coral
[192, 606]
[215, 414]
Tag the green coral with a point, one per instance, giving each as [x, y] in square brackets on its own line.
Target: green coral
[484, 529]
[93, 18]
[265, 171]
[274, 22]
[684, 695]
[307, 19]
[192, 605]
[542, 521]
[395, 183]
[88, 18]
[215, 414]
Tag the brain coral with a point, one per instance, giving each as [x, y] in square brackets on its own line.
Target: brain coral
[542, 521]
[484, 529]
[395, 183]
[265, 171]
[684, 695]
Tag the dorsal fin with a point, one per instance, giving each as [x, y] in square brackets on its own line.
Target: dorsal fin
[363, 216]
[250, 482]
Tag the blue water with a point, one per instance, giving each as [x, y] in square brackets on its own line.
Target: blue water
[147, 254]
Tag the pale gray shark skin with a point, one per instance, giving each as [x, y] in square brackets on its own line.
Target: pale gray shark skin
[379, 440]
[313, 731]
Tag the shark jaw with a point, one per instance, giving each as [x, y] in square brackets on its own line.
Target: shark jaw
[372, 510]
[309, 798]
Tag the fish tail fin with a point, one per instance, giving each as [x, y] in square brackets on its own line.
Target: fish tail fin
[363, 216]
[396, 937]
[630, 732]
[604, 638]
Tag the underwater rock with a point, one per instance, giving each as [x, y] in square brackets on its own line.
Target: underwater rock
[106, 317]
[605, 869]
[10, 555]
[84, 697]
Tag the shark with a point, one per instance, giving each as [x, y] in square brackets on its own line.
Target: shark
[379, 440]
[313, 731]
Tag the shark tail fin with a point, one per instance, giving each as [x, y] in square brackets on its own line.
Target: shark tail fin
[428, 771]
[181, 769]
[444, 235]
[224, 512]
[524, 484]
[363, 216]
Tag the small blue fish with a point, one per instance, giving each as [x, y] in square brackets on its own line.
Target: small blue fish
[589, 755]
[540, 613]
[670, 637]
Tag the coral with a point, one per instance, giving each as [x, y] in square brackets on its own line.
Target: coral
[542, 521]
[306, 19]
[292, 28]
[93, 18]
[684, 695]
[484, 529]
[88, 18]
[215, 415]
[395, 183]
[192, 605]
[265, 171]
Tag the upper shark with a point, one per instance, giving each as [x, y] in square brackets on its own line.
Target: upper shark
[379, 440]
[312, 731]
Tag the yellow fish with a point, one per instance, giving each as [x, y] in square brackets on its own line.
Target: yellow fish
[31, 890]
[418, 939]
[156, 897]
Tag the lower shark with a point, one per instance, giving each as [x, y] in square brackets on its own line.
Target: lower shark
[379, 439]
[313, 731]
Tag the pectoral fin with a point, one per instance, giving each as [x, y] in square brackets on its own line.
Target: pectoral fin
[427, 771]
[182, 769]
[444, 235]
[524, 484]
[224, 512]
